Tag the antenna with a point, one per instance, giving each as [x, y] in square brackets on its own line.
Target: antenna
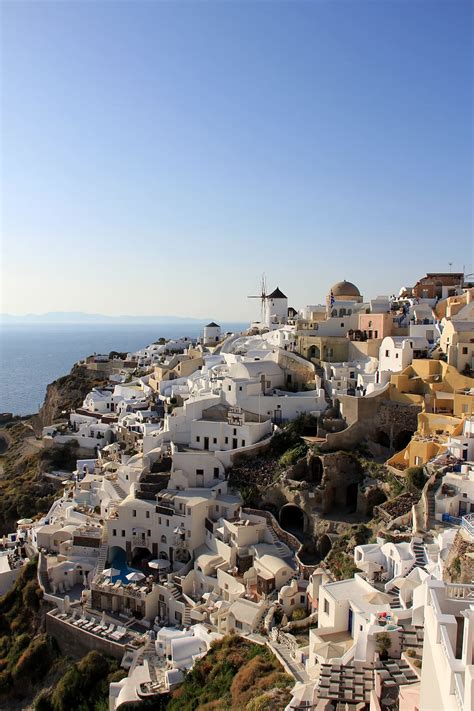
[262, 296]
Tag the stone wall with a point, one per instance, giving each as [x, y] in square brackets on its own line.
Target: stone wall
[377, 416]
[75, 642]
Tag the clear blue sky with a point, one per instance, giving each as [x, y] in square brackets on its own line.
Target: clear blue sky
[157, 157]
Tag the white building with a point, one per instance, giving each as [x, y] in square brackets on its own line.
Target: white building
[447, 673]
[211, 334]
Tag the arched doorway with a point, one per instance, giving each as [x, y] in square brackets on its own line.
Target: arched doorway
[402, 439]
[324, 545]
[292, 519]
[382, 438]
[314, 352]
[140, 557]
[351, 497]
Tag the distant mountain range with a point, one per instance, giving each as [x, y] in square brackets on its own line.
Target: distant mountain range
[82, 317]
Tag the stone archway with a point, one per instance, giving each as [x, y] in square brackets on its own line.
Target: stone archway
[402, 439]
[324, 545]
[140, 556]
[293, 520]
[382, 438]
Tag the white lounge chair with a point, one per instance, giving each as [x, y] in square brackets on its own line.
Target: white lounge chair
[108, 631]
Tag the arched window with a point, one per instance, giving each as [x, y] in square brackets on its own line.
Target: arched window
[163, 539]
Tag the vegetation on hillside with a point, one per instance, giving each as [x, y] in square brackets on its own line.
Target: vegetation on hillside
[31, 665]
[83, 687]
[24, 492]
[235, 675]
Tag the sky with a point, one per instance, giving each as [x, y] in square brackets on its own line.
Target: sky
[158, 157]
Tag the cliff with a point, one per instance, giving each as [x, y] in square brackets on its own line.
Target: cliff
[460, 560]
[65, 393]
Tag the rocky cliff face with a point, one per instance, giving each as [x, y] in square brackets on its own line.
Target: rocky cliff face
[65, 393]
[460, 560]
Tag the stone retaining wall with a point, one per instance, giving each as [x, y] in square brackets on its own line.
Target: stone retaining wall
[75, 642]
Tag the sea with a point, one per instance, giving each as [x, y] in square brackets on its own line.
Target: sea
[33, 355]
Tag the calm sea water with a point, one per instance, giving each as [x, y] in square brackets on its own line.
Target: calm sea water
[31, 356]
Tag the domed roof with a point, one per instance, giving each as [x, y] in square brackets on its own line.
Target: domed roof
[345, 288]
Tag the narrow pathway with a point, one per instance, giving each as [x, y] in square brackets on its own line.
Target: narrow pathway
[296, 669]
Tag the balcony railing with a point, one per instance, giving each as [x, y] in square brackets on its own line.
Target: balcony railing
[468, 524]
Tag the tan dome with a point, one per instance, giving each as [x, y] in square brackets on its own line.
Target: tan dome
[345, 288]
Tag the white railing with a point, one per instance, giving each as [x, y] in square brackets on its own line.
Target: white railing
[459, 690]
[468, 523]
[460, 591]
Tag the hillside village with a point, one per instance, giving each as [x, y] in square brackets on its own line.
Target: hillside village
[307, 484]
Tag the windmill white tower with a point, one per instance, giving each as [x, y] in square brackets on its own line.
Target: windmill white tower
[263, 299]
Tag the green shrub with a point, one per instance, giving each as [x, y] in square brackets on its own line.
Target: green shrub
[415, 478]
[299, 614]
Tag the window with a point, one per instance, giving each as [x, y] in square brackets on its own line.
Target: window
[226, 440]
[168, 522]
[214, 440]
[123, 534]
[326, 607]
[114, 532]
[235, 431]
[240, 388]
[243, 443]
[342, 324]
[198, 439]
[163, 539]
[180, 507]
[229, 387]
[387, 354]
[134, 513]
[199, 472]
[148, 533]
[159, 520]
[188, 511]
[396, 355]
[238, 625]
[464, 351]
[216, 472]
[302, 599]
[147, 514]
[217, 509]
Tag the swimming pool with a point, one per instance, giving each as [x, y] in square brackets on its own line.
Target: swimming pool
[120, 563]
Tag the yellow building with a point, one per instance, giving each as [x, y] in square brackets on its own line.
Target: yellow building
[331, 349]
[435, 386]
[457, 342]
[430, 439]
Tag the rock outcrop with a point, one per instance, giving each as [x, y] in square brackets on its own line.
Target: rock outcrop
[460, 561]
[65, 394]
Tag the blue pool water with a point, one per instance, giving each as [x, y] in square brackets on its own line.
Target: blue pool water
[119, 562]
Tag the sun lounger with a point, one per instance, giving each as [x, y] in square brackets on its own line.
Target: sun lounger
[119, 633]
[79, 622]
[108, 631]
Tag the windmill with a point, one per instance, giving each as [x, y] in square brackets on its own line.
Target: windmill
[262, 297]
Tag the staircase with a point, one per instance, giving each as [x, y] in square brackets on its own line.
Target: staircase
[121, 493]
[282, 548]
[431, 499]
[187, 616]
[173, 590]
[103, 551]
[420, 555]
[395, 595]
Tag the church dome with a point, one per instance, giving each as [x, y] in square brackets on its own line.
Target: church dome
[345, 288]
